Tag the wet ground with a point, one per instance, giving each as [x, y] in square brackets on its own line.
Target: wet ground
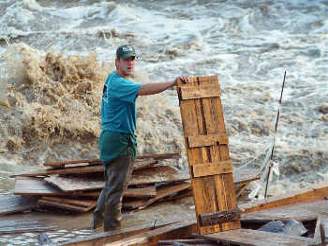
[74, 226]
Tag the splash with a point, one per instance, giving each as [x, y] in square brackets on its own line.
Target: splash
[54, 102]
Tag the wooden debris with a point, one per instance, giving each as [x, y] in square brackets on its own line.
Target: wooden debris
[207, 150]
[68, 183]
[302, 211]
[64, 171]
[176, 234]
[71, 184]
[68, 204]
[83, 169]
[219, 217]
[256, 238]
[62, 164]
[179, 229]
[102, 238]
[167, 191]
[38, 186]
[142, 192]
[63, 186]
[305, 195]
[157, 157]
[159, 174]
[186, 242]
[162, 192]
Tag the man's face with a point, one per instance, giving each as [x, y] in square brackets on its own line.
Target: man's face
[126, 65]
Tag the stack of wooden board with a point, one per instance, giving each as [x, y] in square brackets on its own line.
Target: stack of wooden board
[75, 185]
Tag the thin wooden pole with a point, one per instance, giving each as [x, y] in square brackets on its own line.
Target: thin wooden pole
[274, 137]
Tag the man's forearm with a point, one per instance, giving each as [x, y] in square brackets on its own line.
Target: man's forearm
[154, 88]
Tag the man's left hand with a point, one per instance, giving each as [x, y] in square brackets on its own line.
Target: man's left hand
[184, 79]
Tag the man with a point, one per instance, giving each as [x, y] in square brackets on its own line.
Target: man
[117, 141]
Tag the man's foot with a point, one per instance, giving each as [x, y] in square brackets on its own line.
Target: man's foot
[111, 228]
[111, 224]
[96, 222]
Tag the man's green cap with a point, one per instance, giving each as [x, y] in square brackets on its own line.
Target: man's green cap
[125, 51]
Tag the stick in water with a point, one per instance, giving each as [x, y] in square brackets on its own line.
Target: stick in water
[274, 137]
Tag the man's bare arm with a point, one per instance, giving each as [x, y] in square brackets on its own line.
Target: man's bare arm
[155, 88]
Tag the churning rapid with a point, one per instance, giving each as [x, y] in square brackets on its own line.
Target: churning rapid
[55, 56]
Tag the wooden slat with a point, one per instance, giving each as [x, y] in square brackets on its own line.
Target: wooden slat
[104, 238]
[257, 238]
[158, 157]
[81, 203]
[138, 165]
[162, 192]
[187, 242]
[306, 195]
[66, 204]
[151, 238]
[158, 174]
[144, 163]
[70, 170]
[166, 191]
[135, 204]
[215, 168]
[180, 194]
[143, 192]
[219, 217]
[52, 204]
[34, 186]
[207, 140]
[71, 162]
[202, 92]
[301, 211]
[61, 164]
[37, 186]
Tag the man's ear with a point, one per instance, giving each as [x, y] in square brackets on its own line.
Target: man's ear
[116, 63]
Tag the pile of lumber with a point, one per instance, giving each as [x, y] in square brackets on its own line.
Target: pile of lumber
[75, 185]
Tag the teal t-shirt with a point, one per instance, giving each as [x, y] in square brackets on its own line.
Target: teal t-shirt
[118, 118]
[118, 106]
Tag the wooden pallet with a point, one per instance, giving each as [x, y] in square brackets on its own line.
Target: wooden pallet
[208, 155]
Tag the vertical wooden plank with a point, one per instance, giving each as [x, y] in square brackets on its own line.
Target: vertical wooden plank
[204, 190]
[191, 112]
[215, 124]
[212, 193]
[190, 129]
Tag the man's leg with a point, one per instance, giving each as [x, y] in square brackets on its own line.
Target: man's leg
[118, 174]
[98, 213]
